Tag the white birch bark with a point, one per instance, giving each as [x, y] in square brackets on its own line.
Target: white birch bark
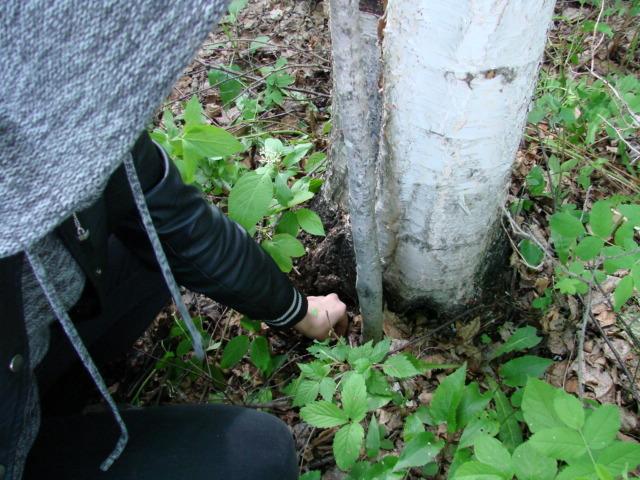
[359, 151]
[458, 79]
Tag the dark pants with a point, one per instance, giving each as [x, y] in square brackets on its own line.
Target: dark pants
[194, 442]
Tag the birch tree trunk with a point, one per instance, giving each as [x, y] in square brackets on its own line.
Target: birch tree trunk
[457, 79]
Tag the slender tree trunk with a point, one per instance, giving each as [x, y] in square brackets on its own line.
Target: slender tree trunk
[458, 80]
[358, 148]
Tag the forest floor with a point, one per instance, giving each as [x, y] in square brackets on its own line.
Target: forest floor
[267, 30]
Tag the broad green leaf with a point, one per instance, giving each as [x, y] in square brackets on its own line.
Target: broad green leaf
[306, 392]
[483, 425]
[471, 404]
[589, 247]
[315, 162]
[327, 388]
[603, 473]
[582, 470]
[601, 219]
[601, 426]
[517, 371]
[372, 442]
[312, 475]
[623, 292]
[323, 414]
[477, 471]
[281, 248]
[310, 221]
[354, 397]
[421, 450]
[282, 190]
[315, 370]
[193, 112]
[400, 366]
[346, 445]
[380, 350]
[566, 225]
[288, 223]
[260, 355]
[412, 426]
[620, 457]
[531, 252]
[234, 351]
[535, 180]
[250, 199]
[490, 451]
[616, 259]
[296, 154]
[229, 86]
[209, 141]
[631, 213]
[447, 397]
[510, 432]
[529, 464]
[569, 409]
[560, 442]
[537, 406]
[521, 339]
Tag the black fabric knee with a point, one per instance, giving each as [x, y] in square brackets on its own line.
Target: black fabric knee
[175, 442]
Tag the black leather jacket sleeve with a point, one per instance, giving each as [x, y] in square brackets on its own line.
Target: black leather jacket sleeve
[208, 252]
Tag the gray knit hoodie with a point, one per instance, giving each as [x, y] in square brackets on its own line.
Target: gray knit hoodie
[78, 81]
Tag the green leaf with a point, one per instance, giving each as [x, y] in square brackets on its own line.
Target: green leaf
[529, 464]
[297, 153]
[510, 432]
[372, 442]
[521, 339]
[346, 445]
[490, 451]
[620, 457]
[516, 372]
[412, 426]
[447, 397]
[380, 350]
[250, 199]
[310, 221]
[282, 190]
[601, 426]
[260, 355]
[560, 442]
[327, 388]
[209, 141]
[288, 224]
[311, 475]
[623, 292]
[538, 406]
[531, 252]
[193, 112]
[569, 410]
[281, 248]
[601, 219]
[483, 425]
[400, 366]
[566, 225]
[354, 397]
[234, 351]
[589, 247]
[421, 450]
[306, 392]
[323, 414]
[315, 162]
[471, 404]
[582, 470]
[477, 471]
[228, 85]
[535, 180]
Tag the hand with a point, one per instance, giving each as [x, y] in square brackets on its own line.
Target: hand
[325, 314]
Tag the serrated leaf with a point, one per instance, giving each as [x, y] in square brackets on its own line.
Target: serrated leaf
[310, 221]
[250, 199]
[516, 372]
[323, 414]
[306, 392]
[601, 219]
[421, 450]
[327, 388]
[623, 292]
[234, 351]
[537, 406]
[560, 443]
[346, 445]
[589, 247]
[529, 464]
[521, 339]
[601, 427]
[354, 397]
[566, 225]
[372, 442]
[569, 409]
[447, 397]
[400, 366]
[490, 451]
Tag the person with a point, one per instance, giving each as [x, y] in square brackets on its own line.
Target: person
[96, 229]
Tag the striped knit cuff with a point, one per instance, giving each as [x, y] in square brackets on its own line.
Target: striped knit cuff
[296, 312]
